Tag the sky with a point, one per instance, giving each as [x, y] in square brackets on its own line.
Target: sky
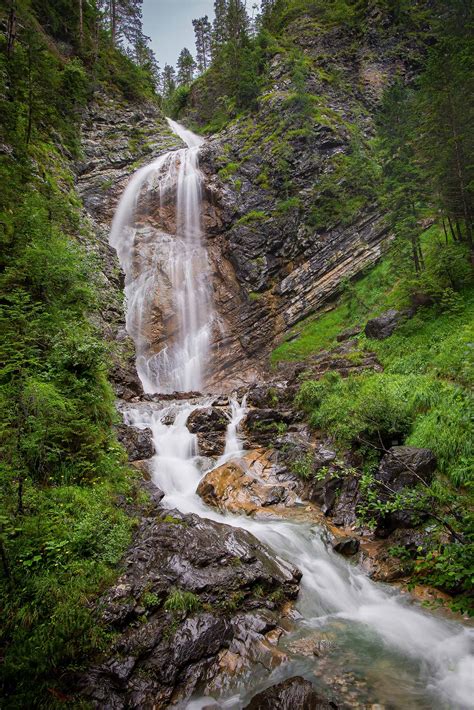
[168, 23]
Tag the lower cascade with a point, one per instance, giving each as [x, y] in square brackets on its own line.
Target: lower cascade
[413, 658]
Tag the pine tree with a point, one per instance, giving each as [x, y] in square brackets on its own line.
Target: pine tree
[168, 80]
[144, 56]
[236, 22]
[219, 26]
[186, 67]
[202, 31]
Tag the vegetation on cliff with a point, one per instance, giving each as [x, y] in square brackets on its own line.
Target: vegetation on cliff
[61, 470]
[405, 139]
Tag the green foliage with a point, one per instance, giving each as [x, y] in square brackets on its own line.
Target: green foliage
[352, 184]
[253, 216]
[303, 467]
[183, 602]
[62, 550]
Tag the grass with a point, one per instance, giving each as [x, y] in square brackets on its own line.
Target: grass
[181, 601]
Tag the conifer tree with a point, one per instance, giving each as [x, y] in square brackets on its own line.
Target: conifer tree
[186, 67]
[236, 22]
[219, 27]
[202, 31]
[168, 80]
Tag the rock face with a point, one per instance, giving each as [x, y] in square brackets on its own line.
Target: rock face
[280, 253]
[193, 594]
[210, 425]
[383, 326]
[402, 467]
[138, 442]
[293, 694]
[116, 139]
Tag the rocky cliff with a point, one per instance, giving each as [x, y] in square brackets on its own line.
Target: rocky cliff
[295, 181]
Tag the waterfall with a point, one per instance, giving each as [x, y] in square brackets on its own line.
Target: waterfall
[157, 233]
[413, 658]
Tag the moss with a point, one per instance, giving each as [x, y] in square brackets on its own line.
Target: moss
[251, 217]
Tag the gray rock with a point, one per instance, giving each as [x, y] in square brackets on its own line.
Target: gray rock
[383, 326]
[293, 694]
[346, 546]
[402, 467]
[210, 425]
[137, 442]
[159, 653]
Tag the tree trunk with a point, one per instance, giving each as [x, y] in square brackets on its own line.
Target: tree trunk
[81, 23]
[11, 30]
[3, 555]
[30, 96]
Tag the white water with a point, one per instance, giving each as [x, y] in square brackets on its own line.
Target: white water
[385, 631]
[409, 657]
[166, 272]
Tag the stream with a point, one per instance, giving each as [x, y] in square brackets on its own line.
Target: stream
[380, 648]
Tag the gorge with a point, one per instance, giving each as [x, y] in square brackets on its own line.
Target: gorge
[369, 633]
[236, 345]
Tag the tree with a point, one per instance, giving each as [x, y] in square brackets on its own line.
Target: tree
[405, 180]
[145, 58]
[124, 19]
[237, 22]
[446, 111]
[202, 31]
[219, 27]
[168, 80]
[186, 67]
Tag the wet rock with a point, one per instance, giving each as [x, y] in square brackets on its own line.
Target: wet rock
[160, 652]
[210, 425]
[346, 546]
[402, 467]
[137, 442]
[383, 326]
[233, 488]
[293, 694]
[263, 426]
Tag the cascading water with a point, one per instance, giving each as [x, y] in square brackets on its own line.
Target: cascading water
[411, 658]
[167, 284]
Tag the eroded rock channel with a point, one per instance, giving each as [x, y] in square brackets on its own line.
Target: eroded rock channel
[232, 592]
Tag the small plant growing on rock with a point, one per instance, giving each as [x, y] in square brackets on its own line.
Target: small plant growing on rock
[182, 601]
[150, 600]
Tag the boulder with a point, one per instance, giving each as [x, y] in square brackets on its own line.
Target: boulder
[210, 425]
[234, 585]
[346, 546]
[381, 327]
[402, 467]
[293, 694]
[405, 466]
[137, 442]
[231, 487]
[262, 426]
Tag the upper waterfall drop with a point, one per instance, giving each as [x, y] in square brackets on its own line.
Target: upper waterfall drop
[157, 233]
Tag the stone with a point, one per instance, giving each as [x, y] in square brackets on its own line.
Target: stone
[346, 546]
[210, 425]
[263, 426]
[402, 467]
[235, 488]
[159, 654]
[137, 442]
[383, 326]
[293, 694]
